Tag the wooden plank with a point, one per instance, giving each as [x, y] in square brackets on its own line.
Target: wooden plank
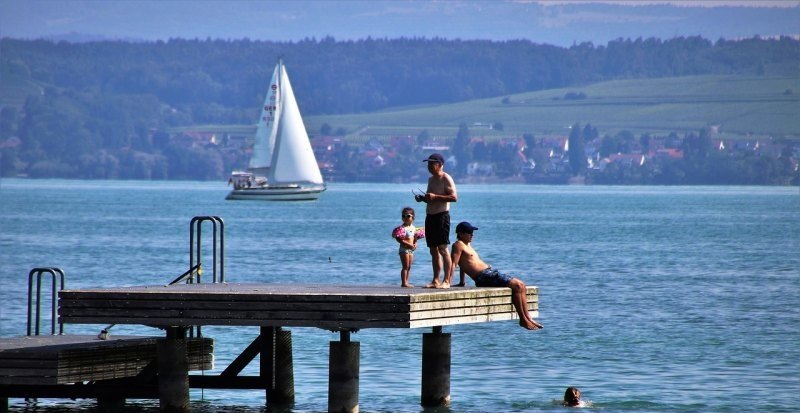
[212, 316]
[254, 292]
[467, 320]
[286, 292]
[83, 304]
[231, 305]
[323, 306]
[68, 359]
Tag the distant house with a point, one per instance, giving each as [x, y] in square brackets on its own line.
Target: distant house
[558, 145]
[196, 139]
[323, 144]
[668, 153]
[628, 159]
[235, 141]
[435, 146]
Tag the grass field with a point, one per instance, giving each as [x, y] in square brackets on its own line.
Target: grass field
[740, 105]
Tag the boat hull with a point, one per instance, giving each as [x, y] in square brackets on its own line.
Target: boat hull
[277, 193]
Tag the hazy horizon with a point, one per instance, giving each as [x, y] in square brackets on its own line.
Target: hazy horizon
[560, 23]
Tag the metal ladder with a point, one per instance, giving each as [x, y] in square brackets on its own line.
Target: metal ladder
[195, 272]
[57, 274]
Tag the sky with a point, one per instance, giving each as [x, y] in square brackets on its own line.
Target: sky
[685, 3]
[556, 22]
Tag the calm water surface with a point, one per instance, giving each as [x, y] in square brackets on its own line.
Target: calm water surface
[654, 299]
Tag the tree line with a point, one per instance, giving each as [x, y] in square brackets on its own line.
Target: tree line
[103, 109]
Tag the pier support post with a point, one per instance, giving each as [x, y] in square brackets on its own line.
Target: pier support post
[277, 367]
[110, 404]
[343, 375]
[173, 371]
[435, 368]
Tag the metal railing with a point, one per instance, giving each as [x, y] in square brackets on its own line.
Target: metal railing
[56, 274]
[218, 248]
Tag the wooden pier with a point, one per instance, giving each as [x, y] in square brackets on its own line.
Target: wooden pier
[330, 307]
[270, 307]
[67, 359]
[70, 366]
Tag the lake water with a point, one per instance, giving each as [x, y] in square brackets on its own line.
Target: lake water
[665, 299]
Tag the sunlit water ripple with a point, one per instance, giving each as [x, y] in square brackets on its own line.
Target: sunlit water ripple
[662, 299]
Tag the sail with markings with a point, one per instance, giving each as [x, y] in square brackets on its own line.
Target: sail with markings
[283, 165]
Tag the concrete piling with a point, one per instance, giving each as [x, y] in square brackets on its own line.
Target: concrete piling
[173, 371]
[435, 368]
[343, 375]
[283, 391]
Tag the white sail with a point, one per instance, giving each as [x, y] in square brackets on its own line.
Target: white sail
[293, 160]
[282, 151]
[267, 130]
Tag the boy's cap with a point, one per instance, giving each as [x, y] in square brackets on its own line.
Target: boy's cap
[436, 157]
[465, 227]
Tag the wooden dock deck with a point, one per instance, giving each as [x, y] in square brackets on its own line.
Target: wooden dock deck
[82, 366]
[332, 307]
[68, 359]
[270, 307]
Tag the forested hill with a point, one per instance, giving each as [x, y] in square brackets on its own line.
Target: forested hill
[72, 106]
[213, 77]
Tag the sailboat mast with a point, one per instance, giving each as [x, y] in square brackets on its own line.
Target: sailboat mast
[278, 112]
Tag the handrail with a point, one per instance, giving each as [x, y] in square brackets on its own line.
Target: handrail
[218, 253]
[197, 269]
[39, 272]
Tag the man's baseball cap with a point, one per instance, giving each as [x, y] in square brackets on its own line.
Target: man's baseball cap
[465, 228]
[436, 157]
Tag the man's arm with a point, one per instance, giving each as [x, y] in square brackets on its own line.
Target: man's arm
[462, 280]
[455, 255]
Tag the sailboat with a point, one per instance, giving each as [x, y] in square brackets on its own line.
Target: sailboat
[283, 166]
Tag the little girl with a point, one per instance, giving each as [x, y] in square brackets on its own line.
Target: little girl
[407, 235]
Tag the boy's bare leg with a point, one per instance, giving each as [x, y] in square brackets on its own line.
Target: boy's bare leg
[520, 300]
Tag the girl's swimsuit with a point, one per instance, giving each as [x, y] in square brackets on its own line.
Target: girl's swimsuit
[403, 232]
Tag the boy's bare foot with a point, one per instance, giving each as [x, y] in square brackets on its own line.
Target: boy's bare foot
[434, 284]
[444, 285]
[533, 325]
[407, 285]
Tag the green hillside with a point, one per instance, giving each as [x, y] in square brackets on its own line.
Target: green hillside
[14, 90]
[740, 105]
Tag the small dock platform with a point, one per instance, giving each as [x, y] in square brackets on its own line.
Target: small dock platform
[331, 307]
[68, 359]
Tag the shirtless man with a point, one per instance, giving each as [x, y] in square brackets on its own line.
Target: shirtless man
[484, 275]
[440, 193]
